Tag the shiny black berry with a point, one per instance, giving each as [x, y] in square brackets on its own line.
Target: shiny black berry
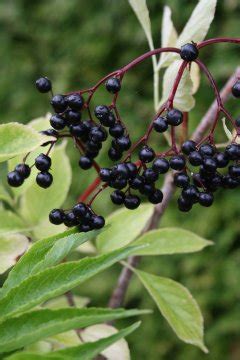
[98, 222]
[98, 134]
[190, 193]
[132, 169]
[44, 179]
[85, 162]
[181, 180]
[146, 154]
[80, 210]
[177, 162]
[189, 52]
[147, 189]
[57, 122]
[116, 130]
[75, 101]
[43, 85]
[105, 174]
[119, 183]
[195, 158]
[161, 165]
[184, 205]
[72, 116]
[113, 85]
[77, 130]
[236, 89]
[160, 125]
[43, 162]
[102, 112]
[209, 164]
[232, 151]
[207, 150]
[205, 199]
[222, 160]
[174, 117]
[188, 146]
[234, 171]
[137, 182]
[70, 219]
[123, 142]
[15, 179]
[132, 202]
[59, 104]
[120, 170]
[117, 197]
[156, 197]
[150, 176]
[56, 216]
[24, 170]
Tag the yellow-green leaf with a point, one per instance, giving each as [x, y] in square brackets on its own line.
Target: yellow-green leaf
[18, 139]
[10, 222]
[11, 246]
[125, 226]
[177, 306]
[169, 241]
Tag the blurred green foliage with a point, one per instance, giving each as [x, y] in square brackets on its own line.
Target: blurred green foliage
[75, 43]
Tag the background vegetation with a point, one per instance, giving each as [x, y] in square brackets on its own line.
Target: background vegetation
[75, 43]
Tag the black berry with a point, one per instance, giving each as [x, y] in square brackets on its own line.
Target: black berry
[188, 147]
[105, 174]
[102, 112]
[57, 122]
[181, 180]
[123, 142]
[174, 117]
[236, 89]
[113, 85]
[132, 202]
[58, 103]
[117, 197]
[116, 130]
[98, 222]
[75, 101]
[150, 176]
[146, 154]
[160, 125]
[43, 85]
[80, 210]
[85, 162]
[15, 179]
[205, 199]
[195, 158]
[156, 197]
[44, 179]
[24, 170]
[43, 162]
[189, 52]
[161, 165]
[177, 162]
[56, 216]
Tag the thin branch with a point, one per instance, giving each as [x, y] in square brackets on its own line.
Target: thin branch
[119, 293]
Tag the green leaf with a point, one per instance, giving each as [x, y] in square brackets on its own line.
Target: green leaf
[177, 306]
[11, 246]
[43, 254]
[33, 326]
[126, 225]
[85, 351]
[10, 223]
[37, 202]
[56, 281]
[170, 241]
[18, 139]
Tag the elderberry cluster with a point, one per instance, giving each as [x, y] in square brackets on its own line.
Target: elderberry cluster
[199, 169]
[210, 176]
[80, 215]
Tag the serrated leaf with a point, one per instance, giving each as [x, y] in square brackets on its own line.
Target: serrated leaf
[177, 306]
[183, 99]
[171, 241]
[38, 124]
[141, 10]
[10, 223]
[45, 253]
[56, 280]
[168, 35]
[125, 226]
[118, 351]
[28, 328]
[37, 202]
[11, 246]
[85, 351]
[18, 139]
